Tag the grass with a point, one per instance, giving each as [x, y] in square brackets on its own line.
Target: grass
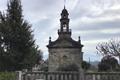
[7, 76]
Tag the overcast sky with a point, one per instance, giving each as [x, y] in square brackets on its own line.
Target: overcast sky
[94, 20]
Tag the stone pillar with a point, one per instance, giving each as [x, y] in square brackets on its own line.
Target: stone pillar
[81, 74]
[18, 75]
[81, 71]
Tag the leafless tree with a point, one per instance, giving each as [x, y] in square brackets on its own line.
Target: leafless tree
[112, 47]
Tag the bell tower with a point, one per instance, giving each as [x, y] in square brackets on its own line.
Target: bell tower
[64, 24]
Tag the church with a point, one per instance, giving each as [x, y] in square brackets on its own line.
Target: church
[64, 51]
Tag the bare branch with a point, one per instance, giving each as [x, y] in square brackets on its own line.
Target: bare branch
[109, 48]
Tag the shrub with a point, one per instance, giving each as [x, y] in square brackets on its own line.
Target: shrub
[71, 67]
[7, 76]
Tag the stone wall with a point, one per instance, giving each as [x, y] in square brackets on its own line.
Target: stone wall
[102, 76]
[69, 76]
[62, 57]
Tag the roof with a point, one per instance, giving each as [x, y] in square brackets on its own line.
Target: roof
[65, 43]
[64, 11]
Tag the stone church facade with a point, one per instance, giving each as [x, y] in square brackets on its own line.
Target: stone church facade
[64, 51]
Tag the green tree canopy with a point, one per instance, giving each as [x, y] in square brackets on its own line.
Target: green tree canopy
[16, 39]
[108, 63]
[85, 65]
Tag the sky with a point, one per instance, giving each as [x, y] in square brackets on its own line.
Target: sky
[95, 21]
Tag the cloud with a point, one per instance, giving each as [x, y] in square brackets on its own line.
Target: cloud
[94, 20]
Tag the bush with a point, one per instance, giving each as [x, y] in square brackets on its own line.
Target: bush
[7, 76]
[71, 67]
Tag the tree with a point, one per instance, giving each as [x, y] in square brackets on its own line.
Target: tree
[108, 63]
[19, 46]
[3, 46]
[44, 66]
[85, 65]
[109, 48]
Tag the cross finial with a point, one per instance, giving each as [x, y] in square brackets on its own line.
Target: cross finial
[64, 3]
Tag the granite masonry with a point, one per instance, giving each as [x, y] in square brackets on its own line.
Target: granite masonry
[64, 51]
